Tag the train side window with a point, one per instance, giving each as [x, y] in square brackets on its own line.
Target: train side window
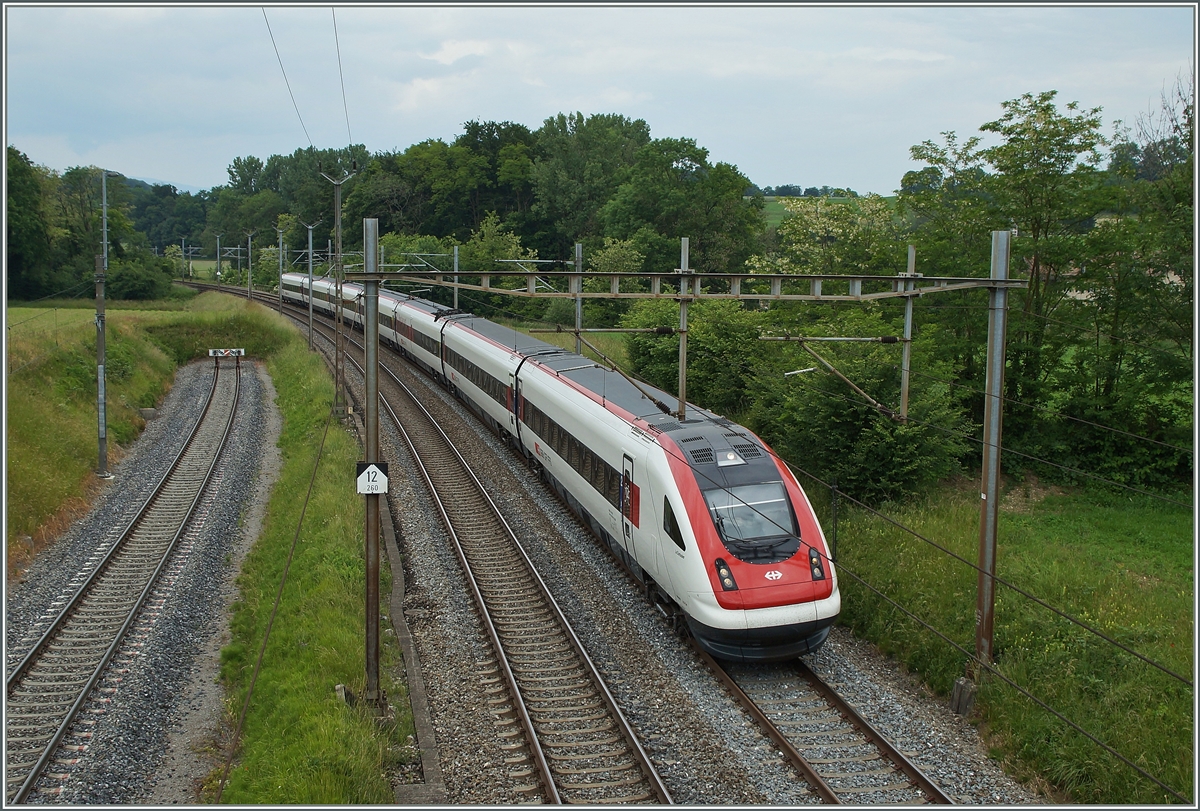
[671, 525]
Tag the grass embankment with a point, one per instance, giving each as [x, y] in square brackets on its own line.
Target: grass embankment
[52, 429]
[1121, 564]
[300, 744]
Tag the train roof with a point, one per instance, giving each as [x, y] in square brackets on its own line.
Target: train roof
[613, 388]
[702, 438]
[608, 385]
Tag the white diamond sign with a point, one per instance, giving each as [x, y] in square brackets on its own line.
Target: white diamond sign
[372, 478]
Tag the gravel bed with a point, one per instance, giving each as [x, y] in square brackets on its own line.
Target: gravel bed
[702, 743]
[152, 683]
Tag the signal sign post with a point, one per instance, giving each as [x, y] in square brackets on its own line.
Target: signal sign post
[372, 474]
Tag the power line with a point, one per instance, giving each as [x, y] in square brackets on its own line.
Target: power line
[1053, 412]
[1033, 598]
[285, 78]
[991, 668]
[349, 137]
[71, 289]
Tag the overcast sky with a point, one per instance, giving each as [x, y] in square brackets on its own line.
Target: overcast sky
[812, 95]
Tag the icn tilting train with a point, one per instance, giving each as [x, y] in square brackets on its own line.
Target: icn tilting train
[711, 523]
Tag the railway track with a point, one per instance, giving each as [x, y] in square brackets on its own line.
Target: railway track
[837, 751]
[568, 740]
[48, 687]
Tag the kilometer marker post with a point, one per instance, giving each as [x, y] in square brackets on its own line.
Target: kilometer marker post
[374, 473]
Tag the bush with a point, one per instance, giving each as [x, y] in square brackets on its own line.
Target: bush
[139, 277]
[819, 423]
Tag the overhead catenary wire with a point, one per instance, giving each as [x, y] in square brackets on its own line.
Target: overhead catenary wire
[285, 78]
[70, 289]
[991, 668]
[341, 78]
[999, 580]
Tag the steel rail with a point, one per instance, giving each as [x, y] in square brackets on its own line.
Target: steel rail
[19, 671]
[62, 620]
[806, 769]
[906, 766]
[653, 780]
[532, 741]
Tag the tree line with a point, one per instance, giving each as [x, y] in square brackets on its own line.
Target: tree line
[1103, 234]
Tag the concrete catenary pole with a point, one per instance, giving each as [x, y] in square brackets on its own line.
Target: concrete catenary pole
[993, 413]
[102, 465]
[280, 231]
[578, 297]
[456, 277]
[249, 263]
[101, 394]
[371, 339]
[219, 259]
[906, 352]
[685, 284]
[310, 282]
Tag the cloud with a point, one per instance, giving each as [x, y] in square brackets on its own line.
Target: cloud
[453, 50]
[895, 55]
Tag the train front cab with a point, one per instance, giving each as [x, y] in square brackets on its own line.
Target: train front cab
[768, 610]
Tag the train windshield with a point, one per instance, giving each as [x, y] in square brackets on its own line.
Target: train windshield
[755, 521]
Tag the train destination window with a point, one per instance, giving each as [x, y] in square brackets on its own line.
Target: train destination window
[755, 521]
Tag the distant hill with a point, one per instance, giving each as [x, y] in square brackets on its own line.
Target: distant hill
[147, 182]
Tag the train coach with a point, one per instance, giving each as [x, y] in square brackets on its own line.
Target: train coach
[706, 517]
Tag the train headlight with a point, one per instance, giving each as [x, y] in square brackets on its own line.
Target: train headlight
[814, 562]
[725, 575]
[727, 458]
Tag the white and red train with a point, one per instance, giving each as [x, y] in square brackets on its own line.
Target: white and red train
[710, 521]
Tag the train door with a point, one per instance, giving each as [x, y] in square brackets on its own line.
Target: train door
[630, 503]
[513, 399]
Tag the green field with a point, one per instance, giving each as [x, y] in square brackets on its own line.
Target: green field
[774, 211]
[1122, 565]
[300, 743]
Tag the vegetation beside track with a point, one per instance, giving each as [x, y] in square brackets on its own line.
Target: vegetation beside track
[1121, 564]
[51, 429]
[300, 743]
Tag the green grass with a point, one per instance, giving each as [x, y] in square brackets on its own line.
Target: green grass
[300, 744]
[774, 211]
[1122, 565]
[52, 430]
